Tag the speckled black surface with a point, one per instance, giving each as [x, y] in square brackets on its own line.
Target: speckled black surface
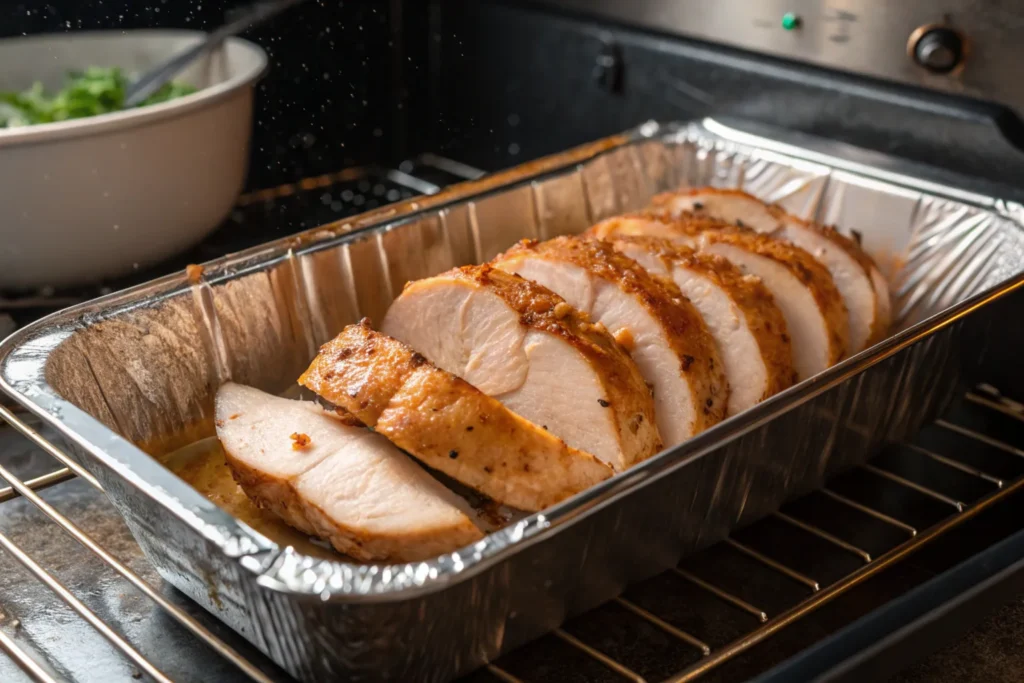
[992, 651]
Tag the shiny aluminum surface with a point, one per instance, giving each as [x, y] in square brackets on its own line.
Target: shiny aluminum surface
[146, 362]
[869, 37]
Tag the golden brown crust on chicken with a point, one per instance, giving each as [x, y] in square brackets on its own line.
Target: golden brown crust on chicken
[419, 543]
[880, 325]
[415, 545]
[446, 423]
[869, 322]
[802, 265]
[763, 317]
[714, 202]
[625, 392]
[655, 223]
[686, 333]
[270, 493]
[806, 269]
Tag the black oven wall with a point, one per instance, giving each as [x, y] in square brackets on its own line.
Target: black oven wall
[513, 82]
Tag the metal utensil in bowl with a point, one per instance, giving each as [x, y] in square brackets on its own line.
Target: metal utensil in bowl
[162, 73]
[87, 199]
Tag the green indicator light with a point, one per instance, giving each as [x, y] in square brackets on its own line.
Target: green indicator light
[790, 21]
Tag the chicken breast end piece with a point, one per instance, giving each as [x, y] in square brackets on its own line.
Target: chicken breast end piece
[342, 483]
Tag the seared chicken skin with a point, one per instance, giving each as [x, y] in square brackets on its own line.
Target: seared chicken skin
[739, 311]
[861, 284]
[855, 275]
[446, 423]
[342, 483]
[524, 345]
[661, 330]
[815, 314]
[734, 207]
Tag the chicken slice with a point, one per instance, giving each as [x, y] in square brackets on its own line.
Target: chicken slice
[738, 309]
[816, 317]
[735, 207]
[857, 278]
[344, 484]
[527, 347]
[661, 330]
[855, 275]
[448, 424]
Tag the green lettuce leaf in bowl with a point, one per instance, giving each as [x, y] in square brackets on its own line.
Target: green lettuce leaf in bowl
[96, 90]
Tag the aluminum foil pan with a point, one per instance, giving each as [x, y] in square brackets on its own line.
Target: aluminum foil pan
[128, 379]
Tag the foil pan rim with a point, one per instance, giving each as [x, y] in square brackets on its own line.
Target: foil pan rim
[24, 354]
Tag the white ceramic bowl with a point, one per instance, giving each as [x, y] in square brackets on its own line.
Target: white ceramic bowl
[98, 197]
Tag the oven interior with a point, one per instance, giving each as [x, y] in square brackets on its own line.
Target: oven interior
[892, 562]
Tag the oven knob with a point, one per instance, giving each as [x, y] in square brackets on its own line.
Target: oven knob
[939, 50]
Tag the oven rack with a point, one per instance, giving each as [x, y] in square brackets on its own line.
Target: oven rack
[707, 657]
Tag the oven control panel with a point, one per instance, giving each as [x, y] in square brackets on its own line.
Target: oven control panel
[966, 46]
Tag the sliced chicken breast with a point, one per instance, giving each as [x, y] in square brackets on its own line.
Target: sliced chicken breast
[735, 207]
[857, 278]
[344, 484]
[739, 311]
[527, 347]
[816, 317]
[661, 330]
[865, 294]
[448, 424]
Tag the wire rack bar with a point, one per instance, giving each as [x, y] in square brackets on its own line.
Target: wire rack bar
[620, 669]
[193, 626]
[826, 595]
[903, 481]
[498, 672]
[79, 607]
[1012, 411]
[664, 625]
[761, 615]
[39, 483]
[777, 566]
[978, 436]
[955, 464]
[456, 168]
[834, 540]
[44, 444]
[23, 660]
[881, 516]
